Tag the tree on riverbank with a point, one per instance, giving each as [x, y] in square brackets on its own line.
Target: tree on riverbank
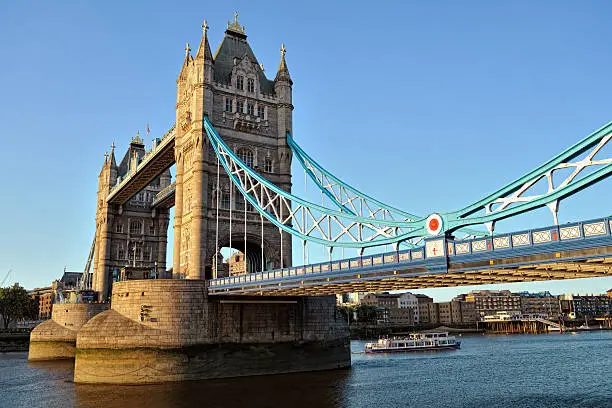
[15, 304]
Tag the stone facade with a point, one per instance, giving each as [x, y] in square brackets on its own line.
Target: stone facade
[56, 338]
[133, 234]
[168, 330]
[252, 114]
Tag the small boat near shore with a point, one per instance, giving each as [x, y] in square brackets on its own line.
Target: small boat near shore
[414, 342]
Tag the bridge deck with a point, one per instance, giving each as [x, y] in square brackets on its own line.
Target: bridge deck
[580, 250]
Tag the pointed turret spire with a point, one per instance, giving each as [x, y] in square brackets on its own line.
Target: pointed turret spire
[204, 48]
[188, 59]
[112, 161]
[283, 71]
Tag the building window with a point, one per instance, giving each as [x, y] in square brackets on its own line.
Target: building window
[251, 85]
[225, 199]
[240, 106]
[147, 254]
[121, 253]
[138, 253]
[250, 109]
[135, 227]
[239, 202]
[246, 156]
[268, 165]
[261, 111]
[152, 229]
[228, 105]
[240, 82]
[119, 228]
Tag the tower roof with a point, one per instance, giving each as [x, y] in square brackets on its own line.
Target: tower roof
[136, 146]
[235, 45]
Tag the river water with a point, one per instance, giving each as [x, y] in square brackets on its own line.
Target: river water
[555, 370]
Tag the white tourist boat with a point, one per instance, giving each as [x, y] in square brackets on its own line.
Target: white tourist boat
[414, 342]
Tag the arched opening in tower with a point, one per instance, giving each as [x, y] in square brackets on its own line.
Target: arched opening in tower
[238, 259]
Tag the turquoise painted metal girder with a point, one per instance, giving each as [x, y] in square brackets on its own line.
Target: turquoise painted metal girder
[329, 227]
[326, 182]
[512, 200]
[348, 227]
[344, 195]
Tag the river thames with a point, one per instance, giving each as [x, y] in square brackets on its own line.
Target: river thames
[555, 370]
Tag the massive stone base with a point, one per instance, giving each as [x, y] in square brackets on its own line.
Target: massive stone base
[55, 339]
[168, 330]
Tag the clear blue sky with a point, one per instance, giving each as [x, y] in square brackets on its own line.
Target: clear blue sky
[425, 105]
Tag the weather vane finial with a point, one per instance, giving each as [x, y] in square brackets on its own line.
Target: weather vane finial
[187, 49]
[283, 50]
[205, 27]
[234, 25]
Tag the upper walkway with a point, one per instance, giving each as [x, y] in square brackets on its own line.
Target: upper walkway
[154, 163]
[575, 250]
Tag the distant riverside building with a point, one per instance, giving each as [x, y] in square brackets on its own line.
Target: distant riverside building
[44, 298]
[542, 303]
[237, 264]
[415, 309]
[410, 309]
[391, 308]
[454, 312]
[489, 302]
[423, 302]
[384, 300]
[579, 306]
[394, 316]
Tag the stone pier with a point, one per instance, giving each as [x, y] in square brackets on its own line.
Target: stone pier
[55, 339]
[170, 330]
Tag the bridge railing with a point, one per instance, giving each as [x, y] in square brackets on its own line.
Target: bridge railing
[566, 233]
[562, 237]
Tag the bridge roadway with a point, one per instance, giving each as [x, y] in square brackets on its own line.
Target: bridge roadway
[575, 250]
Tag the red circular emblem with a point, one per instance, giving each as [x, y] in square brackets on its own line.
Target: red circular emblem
[434, 224]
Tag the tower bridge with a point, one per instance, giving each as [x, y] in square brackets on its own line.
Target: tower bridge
[233, 146]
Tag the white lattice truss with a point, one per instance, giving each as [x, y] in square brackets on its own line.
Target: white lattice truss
[313, 222]
[349, 200]
[519, 196]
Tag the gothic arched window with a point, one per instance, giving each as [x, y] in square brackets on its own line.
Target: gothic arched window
[246, 156]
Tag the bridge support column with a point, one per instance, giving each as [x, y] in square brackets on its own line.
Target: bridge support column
[178, 218]
[169, 330]
[198, 202]
[101, 268]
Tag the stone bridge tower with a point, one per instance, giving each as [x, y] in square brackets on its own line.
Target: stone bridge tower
[252, 114]
[132, 234]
